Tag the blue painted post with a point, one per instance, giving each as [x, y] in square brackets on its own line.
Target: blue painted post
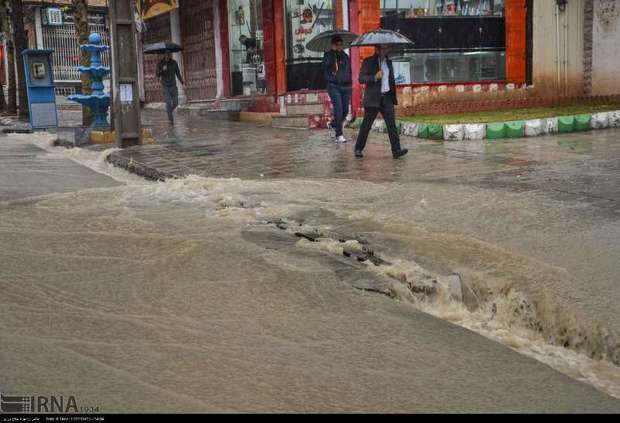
[98, 100]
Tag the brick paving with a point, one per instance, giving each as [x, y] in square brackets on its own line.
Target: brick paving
[569, 166]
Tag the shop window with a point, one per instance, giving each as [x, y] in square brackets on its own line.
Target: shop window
[446, 67]
[304, 20]
[420, 8]
[245, 21]
[454, 40]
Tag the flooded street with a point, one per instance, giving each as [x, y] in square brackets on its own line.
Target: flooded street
[282, 275]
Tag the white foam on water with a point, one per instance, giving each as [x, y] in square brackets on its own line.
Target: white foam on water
[94, 160]
[496, 319]
[228, 198]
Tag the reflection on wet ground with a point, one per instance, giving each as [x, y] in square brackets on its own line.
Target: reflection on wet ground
[182, 296]
[579, 166]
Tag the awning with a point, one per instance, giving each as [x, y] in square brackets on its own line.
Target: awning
[152, 8]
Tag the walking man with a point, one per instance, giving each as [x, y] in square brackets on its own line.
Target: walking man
[167, 72]
[337, 69]
[377, 74]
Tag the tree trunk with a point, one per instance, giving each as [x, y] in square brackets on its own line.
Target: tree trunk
[19, 37]
[80, 15]
[10, 57]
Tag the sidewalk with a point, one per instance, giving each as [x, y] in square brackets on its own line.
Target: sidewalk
[205, 147]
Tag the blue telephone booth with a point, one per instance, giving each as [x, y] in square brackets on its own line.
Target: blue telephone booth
[40, 88]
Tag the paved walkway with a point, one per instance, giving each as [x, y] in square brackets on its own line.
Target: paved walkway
[28, 171]
[579, 166]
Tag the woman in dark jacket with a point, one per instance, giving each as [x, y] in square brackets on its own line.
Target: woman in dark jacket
[337, 69]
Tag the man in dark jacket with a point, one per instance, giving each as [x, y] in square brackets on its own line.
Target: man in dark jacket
[377, 74]
[251, 47]
[337, 70]
[167, 72]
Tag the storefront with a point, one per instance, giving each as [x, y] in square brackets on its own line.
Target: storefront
[157, 30]
[246, 47]
[197, 24]
[51, 26]
[304, 20]
[267, 44]
[455, 41]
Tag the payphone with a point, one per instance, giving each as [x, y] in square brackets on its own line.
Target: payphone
[40, 88]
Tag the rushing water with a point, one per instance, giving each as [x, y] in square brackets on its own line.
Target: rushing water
[180, 244]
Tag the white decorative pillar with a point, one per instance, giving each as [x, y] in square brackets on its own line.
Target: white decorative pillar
[217, 37]
[175, 35]
[140, 56]
[38, 27]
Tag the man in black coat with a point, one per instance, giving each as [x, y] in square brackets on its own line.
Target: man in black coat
[168, 72]
[377, 74]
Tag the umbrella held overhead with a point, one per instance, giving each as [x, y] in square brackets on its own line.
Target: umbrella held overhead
[161, 48]
[382, 37]
[323, 41]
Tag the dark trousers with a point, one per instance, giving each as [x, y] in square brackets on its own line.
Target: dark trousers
[370, 114]
[340, 98]
[171, 97]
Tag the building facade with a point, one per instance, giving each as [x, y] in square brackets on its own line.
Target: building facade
[50, 24]
[251, 55]
[269, 63]
[577, 47]
[468, 47]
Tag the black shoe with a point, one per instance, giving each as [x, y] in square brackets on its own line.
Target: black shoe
[358, 154]
[400, 153]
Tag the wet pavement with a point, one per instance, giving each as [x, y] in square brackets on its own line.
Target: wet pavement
[198, 294]
[26, 170]
[546, 208]
[580, 167]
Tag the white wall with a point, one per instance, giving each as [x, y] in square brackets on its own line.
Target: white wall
[558, 47]
[606, 47]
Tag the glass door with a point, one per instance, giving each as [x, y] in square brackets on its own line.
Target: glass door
[305, 19]
[245, 30]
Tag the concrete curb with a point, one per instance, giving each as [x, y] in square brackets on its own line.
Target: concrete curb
[503, 130]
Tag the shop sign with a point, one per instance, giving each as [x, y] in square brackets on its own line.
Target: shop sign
[151, 8]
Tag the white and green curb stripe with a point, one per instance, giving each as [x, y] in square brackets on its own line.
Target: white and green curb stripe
[475, 131]
[502, 130]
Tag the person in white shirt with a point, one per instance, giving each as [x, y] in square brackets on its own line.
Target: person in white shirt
[377, 74]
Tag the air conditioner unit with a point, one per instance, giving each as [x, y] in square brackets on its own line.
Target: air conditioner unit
[53, 16]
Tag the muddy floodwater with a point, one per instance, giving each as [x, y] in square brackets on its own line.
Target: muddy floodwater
[306, 294]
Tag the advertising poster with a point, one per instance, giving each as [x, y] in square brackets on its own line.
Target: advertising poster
[307, 21]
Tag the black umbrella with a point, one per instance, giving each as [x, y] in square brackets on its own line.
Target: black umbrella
[382, 37]
[323, 41]
[161, 48]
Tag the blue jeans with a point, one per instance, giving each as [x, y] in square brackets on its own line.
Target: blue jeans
[171, 97]
[340, 98]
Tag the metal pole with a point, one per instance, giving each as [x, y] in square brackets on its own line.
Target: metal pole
[125, 89]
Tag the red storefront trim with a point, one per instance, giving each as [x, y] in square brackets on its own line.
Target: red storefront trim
[354, 25]
[279, 46]
[269, 47]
